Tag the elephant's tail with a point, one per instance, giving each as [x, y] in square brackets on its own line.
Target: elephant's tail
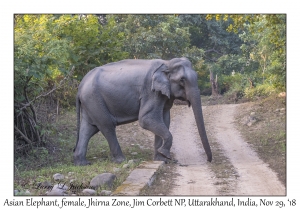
[78, 104]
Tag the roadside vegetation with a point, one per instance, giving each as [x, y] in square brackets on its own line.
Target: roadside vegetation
[40, 164]
[267, 136]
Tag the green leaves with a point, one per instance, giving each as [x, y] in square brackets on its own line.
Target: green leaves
[153, 36]
[47, 45]
[264, 46]
[45, 49]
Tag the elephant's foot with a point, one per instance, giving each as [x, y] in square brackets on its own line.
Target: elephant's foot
[118, 159]
[159, 157]
[164, 152]
[82, 162]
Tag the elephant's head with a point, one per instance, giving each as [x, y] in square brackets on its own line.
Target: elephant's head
[177, 79]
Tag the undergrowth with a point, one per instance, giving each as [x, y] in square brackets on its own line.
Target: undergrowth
[41, 163]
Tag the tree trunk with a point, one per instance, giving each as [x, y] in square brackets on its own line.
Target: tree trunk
[214, 84]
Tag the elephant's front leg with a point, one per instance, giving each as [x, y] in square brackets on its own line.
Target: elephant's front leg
[158, 141]
[163, 137]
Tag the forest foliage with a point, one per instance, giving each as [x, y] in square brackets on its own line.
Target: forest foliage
[52, 53]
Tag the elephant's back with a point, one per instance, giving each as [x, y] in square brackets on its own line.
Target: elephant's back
[131, 65]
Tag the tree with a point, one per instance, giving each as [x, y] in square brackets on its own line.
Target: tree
[211, 36]
[46, 48]
[264, 45]
[92, 44]
[153, 36]
[220, 48]
[214, 84]
[38, 55]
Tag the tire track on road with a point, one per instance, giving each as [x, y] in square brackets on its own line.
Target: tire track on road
[198, 177]
[195, 176]
[255, 177]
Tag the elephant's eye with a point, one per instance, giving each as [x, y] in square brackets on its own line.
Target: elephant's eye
[181, 83]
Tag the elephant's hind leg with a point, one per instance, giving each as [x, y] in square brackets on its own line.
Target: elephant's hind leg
[86, 132]
[109, 132]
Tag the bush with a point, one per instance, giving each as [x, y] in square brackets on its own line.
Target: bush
[229, 83]
[262, 90]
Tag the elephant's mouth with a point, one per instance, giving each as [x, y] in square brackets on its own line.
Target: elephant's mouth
[183, 99]
[189, 103]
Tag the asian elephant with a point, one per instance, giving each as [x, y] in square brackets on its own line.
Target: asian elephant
[129, 90]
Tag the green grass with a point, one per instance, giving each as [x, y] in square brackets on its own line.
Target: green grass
[40, 164]
[81, 175]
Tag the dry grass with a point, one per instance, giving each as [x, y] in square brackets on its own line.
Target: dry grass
[268, 135]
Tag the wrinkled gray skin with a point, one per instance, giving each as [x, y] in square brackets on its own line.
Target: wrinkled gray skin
[130, 90]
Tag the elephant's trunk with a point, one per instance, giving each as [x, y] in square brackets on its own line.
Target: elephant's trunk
[194, 98]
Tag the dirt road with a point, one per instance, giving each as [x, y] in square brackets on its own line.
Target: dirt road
[235, 170]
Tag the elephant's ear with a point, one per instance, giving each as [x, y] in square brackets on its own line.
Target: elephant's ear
[160, 81]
